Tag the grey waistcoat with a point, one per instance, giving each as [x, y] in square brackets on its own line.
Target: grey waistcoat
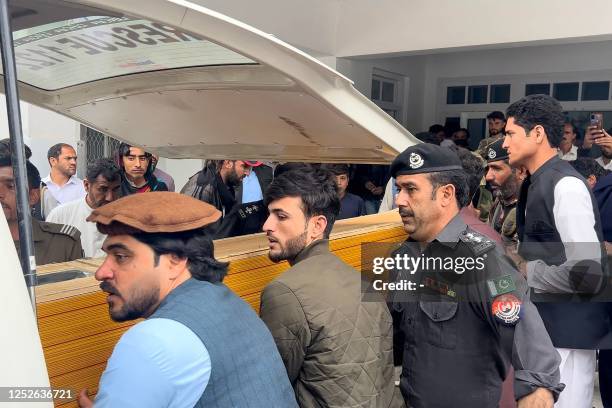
[247, 370]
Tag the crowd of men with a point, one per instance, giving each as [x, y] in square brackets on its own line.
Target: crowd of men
[533, 202]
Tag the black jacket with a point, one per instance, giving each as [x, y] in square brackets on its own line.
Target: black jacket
[207, 186]
[237, 218]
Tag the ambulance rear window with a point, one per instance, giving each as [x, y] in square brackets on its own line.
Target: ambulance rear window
[72, 52]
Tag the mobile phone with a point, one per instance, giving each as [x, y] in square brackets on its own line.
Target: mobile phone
[597, 120]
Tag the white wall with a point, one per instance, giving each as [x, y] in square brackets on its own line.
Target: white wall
[41, 130]
[390, 26]
[180, 169]
[47, 128]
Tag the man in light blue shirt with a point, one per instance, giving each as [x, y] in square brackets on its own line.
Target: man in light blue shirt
[62, 184]
[201, 345]
[158, 362]
[251, 190]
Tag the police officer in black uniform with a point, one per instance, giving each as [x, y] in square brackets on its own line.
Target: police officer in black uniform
[470, 316]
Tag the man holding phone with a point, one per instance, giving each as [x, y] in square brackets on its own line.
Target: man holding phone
[604, 141]
[591, 133]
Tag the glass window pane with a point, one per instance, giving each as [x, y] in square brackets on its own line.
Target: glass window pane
[532, 89]
[476, 127]
[566, 91]
[595, 91]
[62, 54]
[375, 90]
[500, 93]
[455, 95]
[477, 94]
[388, 91]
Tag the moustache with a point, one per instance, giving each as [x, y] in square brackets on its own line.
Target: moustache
[271, 237]
[108, 288]
[406, 213]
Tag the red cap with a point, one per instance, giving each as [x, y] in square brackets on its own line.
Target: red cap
[253, 163]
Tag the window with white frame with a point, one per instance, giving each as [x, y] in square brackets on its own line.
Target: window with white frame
[387, 93]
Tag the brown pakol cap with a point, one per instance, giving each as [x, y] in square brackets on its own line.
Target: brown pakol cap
[159, 211]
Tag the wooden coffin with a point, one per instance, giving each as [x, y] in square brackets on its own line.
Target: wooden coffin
[78, 336]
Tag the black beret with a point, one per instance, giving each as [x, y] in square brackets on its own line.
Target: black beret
[495, 151]
[425, 158]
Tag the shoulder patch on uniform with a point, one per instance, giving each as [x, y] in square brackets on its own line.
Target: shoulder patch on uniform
[506, 309]
[501, 285]
[476, 241]
[63, 229]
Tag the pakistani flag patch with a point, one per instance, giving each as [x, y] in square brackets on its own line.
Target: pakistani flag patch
[501, 285]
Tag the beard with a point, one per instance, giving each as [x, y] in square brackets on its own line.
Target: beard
[290, 250]
[142, 300]
[67, 171]
[510, 188]
[232, 178]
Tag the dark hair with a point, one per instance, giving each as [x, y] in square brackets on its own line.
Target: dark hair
[124, 150]
[574, 127]
[317, 189]
[497, 115]
[105, 167]
[437, 129]
[458, 178]
[195, 245]
[542, 110]
[467, 132]
[215, 164]
[33, 174]
[56, 150]
[587, 167]
[285, 167]
[337, 169]
[474, 169]
[5, 148]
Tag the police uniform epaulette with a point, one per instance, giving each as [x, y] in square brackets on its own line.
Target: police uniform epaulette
[62, 229]
[477, 242]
